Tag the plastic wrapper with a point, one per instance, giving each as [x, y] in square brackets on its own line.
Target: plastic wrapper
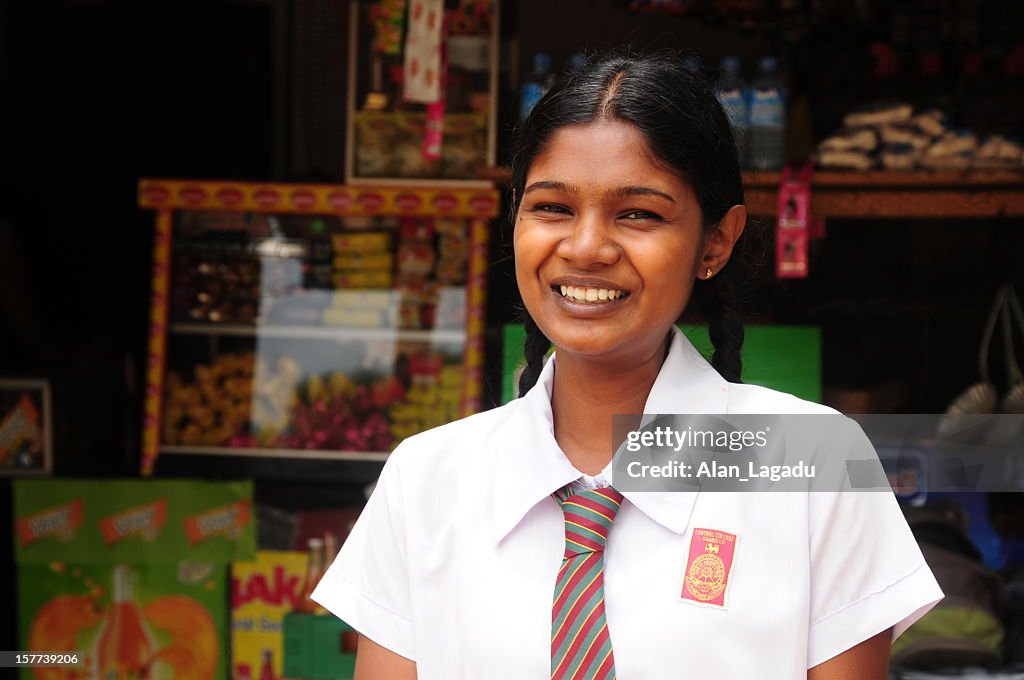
[904, 135]
[376, 135]
[953, 143]
[997, 152]
[899, 157]
[879, 114]
[932, 123]
[367, 241]
[380, 278]
[959, 161]
[465, 144]
[845, 160]
[859, 139]
[364, 260]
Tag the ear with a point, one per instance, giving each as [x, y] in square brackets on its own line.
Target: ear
[719, 243]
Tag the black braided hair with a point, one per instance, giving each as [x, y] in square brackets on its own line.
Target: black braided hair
[676, 110]
[715, 300]
[536, 347]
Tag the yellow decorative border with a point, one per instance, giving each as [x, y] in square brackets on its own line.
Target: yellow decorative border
[473, 362]
[157, 361]
[477, 206]
[318, 199]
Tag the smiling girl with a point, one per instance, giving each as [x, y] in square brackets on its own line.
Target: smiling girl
[498, 547]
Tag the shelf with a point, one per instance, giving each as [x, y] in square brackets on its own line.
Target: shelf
[885, 194]
[320, 333]
[920, 180]
[379, 198]
[283, 454]
[342, 481]
[892, 194]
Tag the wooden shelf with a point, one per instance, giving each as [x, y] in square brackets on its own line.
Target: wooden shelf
[880, 194]
[289, 454]
[921, 180]
[886, 194]
[435, 336]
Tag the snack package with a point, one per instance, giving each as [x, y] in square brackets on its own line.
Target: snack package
[376, 135]
[903, 134]
[465, 144]
[997, 152]
[900, 157]
[953, 143]
[845, 160]
[878, 114]
[415, 259]
[931, 123]
[858, 139]
[380, 278]
[408, 147]
[357, 318]
[367, 241]
[358, 261]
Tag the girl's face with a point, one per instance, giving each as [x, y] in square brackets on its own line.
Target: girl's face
[607, 243]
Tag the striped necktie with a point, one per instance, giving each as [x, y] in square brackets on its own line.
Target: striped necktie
[580, 644]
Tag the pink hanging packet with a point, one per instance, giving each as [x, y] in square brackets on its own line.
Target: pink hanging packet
[793, 223]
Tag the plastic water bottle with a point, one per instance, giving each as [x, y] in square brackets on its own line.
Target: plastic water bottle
[693, 63]
[731, 95]
[536, 85]
[767, 118]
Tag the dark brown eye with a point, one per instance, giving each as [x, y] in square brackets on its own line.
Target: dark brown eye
[642, 215]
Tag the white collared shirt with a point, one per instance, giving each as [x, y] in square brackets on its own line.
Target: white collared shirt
[453, 562]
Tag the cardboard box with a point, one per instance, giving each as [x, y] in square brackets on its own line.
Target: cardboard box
[318, 647]
[262, 593]
[132, 574]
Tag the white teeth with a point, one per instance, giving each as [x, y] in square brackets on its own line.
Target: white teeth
[590, 294]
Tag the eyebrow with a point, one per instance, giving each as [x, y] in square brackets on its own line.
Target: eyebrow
[621, 192]
[555, 185]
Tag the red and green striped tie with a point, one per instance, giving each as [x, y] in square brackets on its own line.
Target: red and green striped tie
[580, 645]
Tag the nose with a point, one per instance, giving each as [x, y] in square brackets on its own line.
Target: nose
[591, 243]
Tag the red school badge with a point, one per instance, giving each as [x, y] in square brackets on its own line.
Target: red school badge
[708, 566]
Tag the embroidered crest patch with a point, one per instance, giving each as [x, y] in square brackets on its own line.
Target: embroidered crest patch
[706, 580]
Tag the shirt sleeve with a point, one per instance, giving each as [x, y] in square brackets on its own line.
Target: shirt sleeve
[367, 586]
[867, 572]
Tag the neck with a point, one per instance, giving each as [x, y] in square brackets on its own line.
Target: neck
[586, 393]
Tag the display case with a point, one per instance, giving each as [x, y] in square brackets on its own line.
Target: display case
[422, 91]
[311, 321]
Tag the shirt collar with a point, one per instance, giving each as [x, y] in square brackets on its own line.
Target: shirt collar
[530, 465]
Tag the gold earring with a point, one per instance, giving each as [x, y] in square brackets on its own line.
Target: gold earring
[708, 274]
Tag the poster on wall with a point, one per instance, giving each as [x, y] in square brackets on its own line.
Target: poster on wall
[26, 437]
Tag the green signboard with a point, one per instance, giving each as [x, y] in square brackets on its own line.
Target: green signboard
[784, 358]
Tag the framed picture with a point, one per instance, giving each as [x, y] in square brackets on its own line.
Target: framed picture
[26, 436]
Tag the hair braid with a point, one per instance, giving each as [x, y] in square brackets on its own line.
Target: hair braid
[536, 347]
[716, 300]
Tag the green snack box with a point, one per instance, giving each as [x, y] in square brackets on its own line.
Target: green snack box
[132, 574]
[318, 647]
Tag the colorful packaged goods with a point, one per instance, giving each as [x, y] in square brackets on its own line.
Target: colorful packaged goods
[262, 592]
[131, 574]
